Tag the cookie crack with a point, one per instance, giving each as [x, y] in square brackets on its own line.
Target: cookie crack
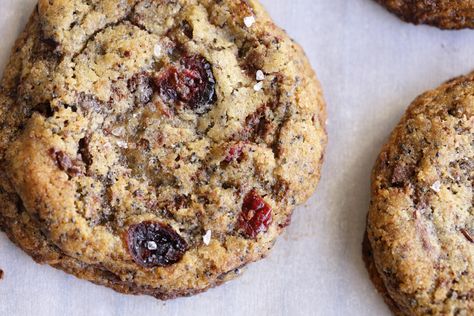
[91, 37]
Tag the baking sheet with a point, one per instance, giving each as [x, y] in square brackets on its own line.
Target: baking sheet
[371, 66]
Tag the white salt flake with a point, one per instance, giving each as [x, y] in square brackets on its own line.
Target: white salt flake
[151, 245]
[249, 21]
[122, 144]
[207, 237]
[436, 186]
[260, 75]
[157, 50]
[118, 131]
[258, 86]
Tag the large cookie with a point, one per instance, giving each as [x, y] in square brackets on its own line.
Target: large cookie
[445, 14]
[420, 248]
[155, 147]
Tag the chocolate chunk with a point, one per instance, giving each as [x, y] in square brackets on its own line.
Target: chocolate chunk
[84, 150]
[467, 235]
[401, 174]
[65, 163]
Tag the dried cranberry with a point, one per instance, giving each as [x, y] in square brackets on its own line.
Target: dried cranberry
[154, 244]
[235, 153]
[169, 84]
[256, 215]
[190, 83]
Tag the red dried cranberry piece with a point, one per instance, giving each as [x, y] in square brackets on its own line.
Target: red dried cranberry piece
[256, 215]
[168, 83]
[154, 244]
[235, 153]
[191, 83]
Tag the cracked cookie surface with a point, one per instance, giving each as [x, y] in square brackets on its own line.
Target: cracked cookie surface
[155, 147]
[445, 14]
[420, 246]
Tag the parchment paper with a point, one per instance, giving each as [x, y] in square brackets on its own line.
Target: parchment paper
[371, 66]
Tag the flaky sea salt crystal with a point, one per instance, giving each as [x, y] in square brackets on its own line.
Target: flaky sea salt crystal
[249, 21]
[207, 237]
[258, 86]
[157, 50]
[260, 75]
[436, 186]
[122, 144]
[151, 245]
[118, 131]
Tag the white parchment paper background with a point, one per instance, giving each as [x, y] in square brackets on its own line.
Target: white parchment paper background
[371, 66]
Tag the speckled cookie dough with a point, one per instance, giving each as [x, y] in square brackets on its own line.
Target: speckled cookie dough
[420, 245]
[155, 147]
[445, 14]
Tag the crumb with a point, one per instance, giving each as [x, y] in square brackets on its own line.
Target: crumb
[1, 274]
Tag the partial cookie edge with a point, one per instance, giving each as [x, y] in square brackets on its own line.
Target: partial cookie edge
[375, 278]
[442, 22]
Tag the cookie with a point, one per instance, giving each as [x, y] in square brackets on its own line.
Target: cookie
[445, 14]
[155, 147]
[420, 244]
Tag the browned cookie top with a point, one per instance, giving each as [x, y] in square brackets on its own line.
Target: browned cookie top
[421, 218]
[445, 14]
[155, 146]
